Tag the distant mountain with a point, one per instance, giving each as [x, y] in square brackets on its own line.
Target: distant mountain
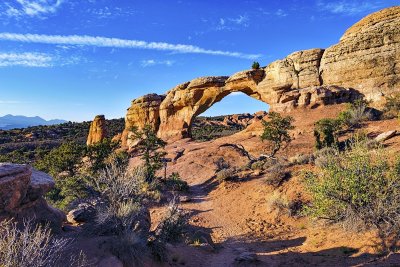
[8, 122]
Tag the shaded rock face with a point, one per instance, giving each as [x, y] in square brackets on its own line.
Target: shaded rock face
[364, 63]
[97, 131]
[21, 195]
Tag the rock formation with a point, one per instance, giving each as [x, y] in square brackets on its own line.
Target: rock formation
[97, 131]
[364, 63]
[21, 195]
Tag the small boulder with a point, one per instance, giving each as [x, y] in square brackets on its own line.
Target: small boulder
[85, 212]
[246, 257]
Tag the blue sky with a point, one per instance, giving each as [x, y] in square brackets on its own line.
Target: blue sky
[73, 59]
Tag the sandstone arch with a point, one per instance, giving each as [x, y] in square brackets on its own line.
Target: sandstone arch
[366, 61]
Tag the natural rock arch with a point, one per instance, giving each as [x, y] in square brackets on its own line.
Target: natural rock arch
[366, 61]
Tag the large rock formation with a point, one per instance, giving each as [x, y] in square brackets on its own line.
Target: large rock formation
[97, 131]
[21, 195]
[364, 62]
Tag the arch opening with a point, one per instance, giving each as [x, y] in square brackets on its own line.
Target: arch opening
[233, 113]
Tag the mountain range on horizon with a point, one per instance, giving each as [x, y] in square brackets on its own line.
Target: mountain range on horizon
[9, 121]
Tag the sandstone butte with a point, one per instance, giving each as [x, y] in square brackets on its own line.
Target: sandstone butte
[365, 62]
[97, 131]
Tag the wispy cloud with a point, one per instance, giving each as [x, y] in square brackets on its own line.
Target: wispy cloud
[98, 41]
[32, 8]
[348, 8]
[9, 102]
[25, 59]
[242, 21]
[152, 62]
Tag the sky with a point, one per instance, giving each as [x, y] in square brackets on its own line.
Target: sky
[74, 59]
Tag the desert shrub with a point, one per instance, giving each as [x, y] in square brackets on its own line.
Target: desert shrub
[325, 132]
[65, 158]
[355, 113]
[225, 174]
[170, 229]
[392, 106]
[276, 131]
[175, 182]
[98, 154]
[255, 65]
[34, 246]
[121, 213]
[322, 156]
[276, 174]
[263, 164]
[151, 148]
[300, 159]
[277, 201]
[172, 226]
[358, 187]
[221, 164]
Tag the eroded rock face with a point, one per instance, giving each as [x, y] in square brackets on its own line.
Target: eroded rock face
[364, 63]
[97, 131]
[367, 58]
[21, 195]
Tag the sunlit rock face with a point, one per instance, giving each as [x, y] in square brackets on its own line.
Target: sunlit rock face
[97, 131]
[367, 58]
[365, 62]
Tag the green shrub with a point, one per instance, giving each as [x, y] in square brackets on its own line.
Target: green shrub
[225, 174]
[255, 65]
[358, 187]
[276, 131]
[355, 113]
[392, 106]
[175, 182]
[325, 132]
[151, 148]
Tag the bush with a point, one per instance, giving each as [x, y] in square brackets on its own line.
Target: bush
[322, 156]
[358, 187]
[325, 132]
[392, 106]
[276, 131]
[255, 65]
[175, 182]
[276, 175]
[356, 113]
[300, 159]
[33, 246]
[225, 174]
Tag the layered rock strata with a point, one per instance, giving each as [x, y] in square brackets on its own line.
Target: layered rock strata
[365, 62]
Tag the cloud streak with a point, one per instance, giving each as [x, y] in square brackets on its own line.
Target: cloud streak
[348, 8]
[152, 62]
[98, 41]
[25, 60]
[32, 8]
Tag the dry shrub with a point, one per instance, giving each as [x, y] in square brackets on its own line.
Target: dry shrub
[277, 201]
[321, 156]
[225, 174]
[300, 159]
[34, 246]
[276, 175]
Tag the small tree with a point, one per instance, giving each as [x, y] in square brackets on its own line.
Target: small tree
[325, 132]
[276, 131]
[255, 65]
[151, 148]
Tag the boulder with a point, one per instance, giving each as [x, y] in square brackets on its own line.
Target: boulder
[97, 131]
[84, 212]
[14, 184]
[21, 195]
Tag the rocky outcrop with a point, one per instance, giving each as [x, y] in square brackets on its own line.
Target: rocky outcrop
[21, 195]
[97, 131]
[364, 63]
[367, 58]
